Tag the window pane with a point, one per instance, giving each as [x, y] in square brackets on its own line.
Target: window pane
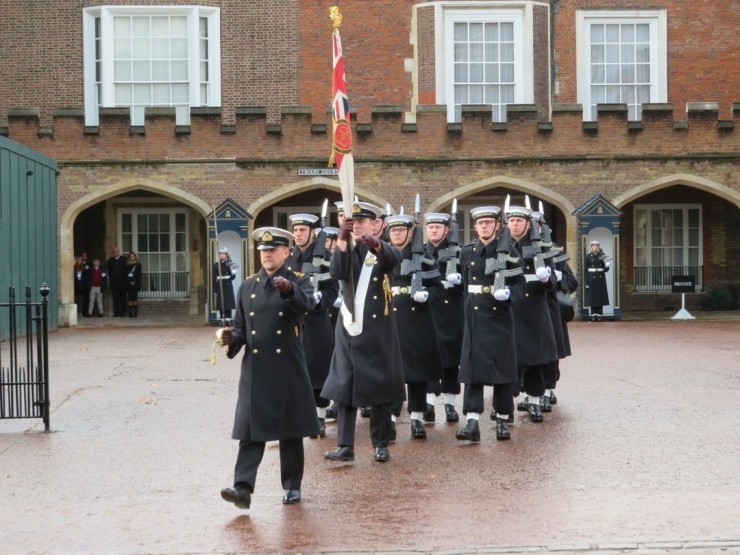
[643, 94]
[476, 94]
[507, 73]
[492, 73]
[612, 74]
[142, 71]
[160, 26]
[628, 53]
[507, 32]
[461, 52]
[612, 33]
[461, 73]
[164, 243]
[598, 74]
[180, 242]
[492, 96]
[122, 71]
[126, 223]
[153, 243]
[121, 49]
[628, 73]
[179, 94]
[123, 95]
[121, 27]
[628, 32]
[204, 71]
[160, 49]
[597, 54]
[476, 52]
[642, 32]
[476, 32]
[140, 27]
[179, 71]
[461, 95]
[161, 95]
[598, 95]
[460, 32]
[643, 73]
[141, 50]
[612, 53]
[476, 73]
[507, 52]
[491, 52]
[693, 217]
[160, 71]
[507, 94]
[179, 49]
[491, 32]
[642, 53]
[179, 26]
[597, 33]
[142, 94]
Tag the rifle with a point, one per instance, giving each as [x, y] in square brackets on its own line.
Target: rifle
[413, 267]
[534, 249]
[500, 264]
[318, 262]
[451, 254]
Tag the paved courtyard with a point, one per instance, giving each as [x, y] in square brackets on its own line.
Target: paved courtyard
[642, 454]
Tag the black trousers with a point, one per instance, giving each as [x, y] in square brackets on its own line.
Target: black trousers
[503, 398]
[380, 425]
[120, 301]
[597, 310]
[534, 380]
[448, 383]
[250, 456]
[417, 396]
[551, 374]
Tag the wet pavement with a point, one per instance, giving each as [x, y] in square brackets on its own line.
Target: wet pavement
[640, 455]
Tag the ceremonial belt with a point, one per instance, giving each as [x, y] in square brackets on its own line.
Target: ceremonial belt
[354, 327]
[402, 290]
[596, 269]
[480, 289]
[446, 284]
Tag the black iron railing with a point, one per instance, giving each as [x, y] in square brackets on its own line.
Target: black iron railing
[164, 285]
[24, 357]
[657, 279]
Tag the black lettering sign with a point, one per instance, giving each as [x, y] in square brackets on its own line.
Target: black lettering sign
[683, 284]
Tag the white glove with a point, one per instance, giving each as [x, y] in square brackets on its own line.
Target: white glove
[338, 302]
[421, 296]
[559, 275]
[607, 264]
[454, 279]
[317, 297]
[501, 294]
[543, 274]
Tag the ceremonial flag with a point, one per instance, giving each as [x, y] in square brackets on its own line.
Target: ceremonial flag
[341, 131]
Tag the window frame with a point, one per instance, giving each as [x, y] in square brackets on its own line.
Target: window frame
[520, 14]
[106, 15]
[173, 253]
[658, 21]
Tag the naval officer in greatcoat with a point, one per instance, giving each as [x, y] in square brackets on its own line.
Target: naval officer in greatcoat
[366, 368]
[276, 401]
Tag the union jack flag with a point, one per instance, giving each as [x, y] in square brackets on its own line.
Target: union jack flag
[342, 132]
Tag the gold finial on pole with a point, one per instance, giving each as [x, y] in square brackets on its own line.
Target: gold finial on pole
[335, 16]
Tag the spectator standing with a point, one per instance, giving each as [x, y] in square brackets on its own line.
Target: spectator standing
[96, 277]
[118, 277]
[133, 284]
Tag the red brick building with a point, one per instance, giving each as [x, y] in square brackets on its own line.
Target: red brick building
[157, 112]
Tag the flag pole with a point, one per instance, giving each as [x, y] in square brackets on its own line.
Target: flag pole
[341, 152]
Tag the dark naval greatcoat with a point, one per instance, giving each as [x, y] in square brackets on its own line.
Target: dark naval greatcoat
[366, 369]
[318, 333]
[448, 311]
[596, 268]
[415, 323]
[489, 344]
[535, 334]
[275, 396]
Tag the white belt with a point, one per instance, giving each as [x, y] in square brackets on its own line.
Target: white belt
[596, 269]
[530, 277]
[480, 289]
[403, 290]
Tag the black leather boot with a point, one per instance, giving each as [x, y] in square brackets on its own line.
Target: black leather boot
[471, 432]
[417, 430]
[451, 414]
[502, 429]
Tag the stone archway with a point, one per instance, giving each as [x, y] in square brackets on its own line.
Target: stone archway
[722, 191]
[66, 226]
[537, 191]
